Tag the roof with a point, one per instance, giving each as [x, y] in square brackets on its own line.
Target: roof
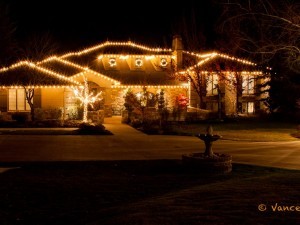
[118, 48]
[126, 63]
[97, 59]
[28, 74]
[60, 67]
[216, 62]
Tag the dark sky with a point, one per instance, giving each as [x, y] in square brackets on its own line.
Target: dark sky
[89, 22]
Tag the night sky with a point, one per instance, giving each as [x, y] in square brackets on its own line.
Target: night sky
[88, 22]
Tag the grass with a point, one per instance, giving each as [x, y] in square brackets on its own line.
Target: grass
[53, 132]
[158, 192]
[245, 130]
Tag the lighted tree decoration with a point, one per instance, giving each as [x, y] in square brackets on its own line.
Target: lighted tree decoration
[86, 98]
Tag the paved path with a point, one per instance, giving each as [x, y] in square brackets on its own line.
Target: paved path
[130, 144]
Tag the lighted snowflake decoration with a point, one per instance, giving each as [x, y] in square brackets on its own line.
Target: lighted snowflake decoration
[138, 62]
[112, 62]
[163, 62]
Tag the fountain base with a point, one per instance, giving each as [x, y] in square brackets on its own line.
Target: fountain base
[218, 163]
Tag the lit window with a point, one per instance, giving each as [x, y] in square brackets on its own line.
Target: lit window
[163, 62]
[17, 100]
[112, 62]
[248, 85]
[212, 81]
[248, 107]
[138, 62]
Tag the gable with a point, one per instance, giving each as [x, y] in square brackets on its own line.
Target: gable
[28, 74]
[217, 62]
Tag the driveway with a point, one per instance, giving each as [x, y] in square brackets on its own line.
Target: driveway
[130, 144]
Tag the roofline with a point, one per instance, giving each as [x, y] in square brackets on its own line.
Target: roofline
[111, 43]
[75, 65]
[183, 86]
[214, 54]
[40, 68]
[37, 86]
[203, 59]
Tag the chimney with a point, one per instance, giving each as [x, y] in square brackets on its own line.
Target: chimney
[177, 48]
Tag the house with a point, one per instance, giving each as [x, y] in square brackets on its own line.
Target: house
[114, 67]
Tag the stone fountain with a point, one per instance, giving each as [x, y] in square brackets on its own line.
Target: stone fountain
[208, 161]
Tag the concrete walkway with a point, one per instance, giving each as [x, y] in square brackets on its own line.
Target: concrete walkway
[129, 144]
[114, 125]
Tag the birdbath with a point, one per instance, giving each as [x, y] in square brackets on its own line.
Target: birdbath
[208, 139]
[208, 161]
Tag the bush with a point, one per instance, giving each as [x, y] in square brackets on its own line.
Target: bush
[75, 113]
[49, 123]
[55, 113]
[39, 114]
[151, 126]
[72, 123]
[20, 117]
[91, 128]
[136, 123]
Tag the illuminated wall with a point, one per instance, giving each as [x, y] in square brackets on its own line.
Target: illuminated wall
[52, 98]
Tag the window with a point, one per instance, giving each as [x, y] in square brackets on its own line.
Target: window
[248, 107]
[212, 81]
[248, 85]
[17, 100]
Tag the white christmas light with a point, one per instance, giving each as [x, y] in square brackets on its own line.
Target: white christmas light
[86, 98]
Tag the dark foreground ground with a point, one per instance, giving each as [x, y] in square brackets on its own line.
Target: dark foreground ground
[155, 192]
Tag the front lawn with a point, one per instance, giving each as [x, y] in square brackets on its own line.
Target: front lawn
[256, 134]
[243, 130]
[145, 193]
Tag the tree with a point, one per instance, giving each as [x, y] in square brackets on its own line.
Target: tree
[36, 48]
[191, 31]
[29, 94]
[86, 98]
[130, 102]
[263, 28]
[269, 32]
[8, 42]
[161, 105]
[144, 100]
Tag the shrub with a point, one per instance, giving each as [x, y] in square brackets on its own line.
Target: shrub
[55, 113]
[151, 126]
[75, 113]
[72, 123]
[20, 117]
[136, 123]
[51, 123]
[91, 128]
[39, 114]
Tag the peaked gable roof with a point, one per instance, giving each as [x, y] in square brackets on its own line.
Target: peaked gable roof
[125, 70]
[124, 63]
[207, 59]
[25, 73]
